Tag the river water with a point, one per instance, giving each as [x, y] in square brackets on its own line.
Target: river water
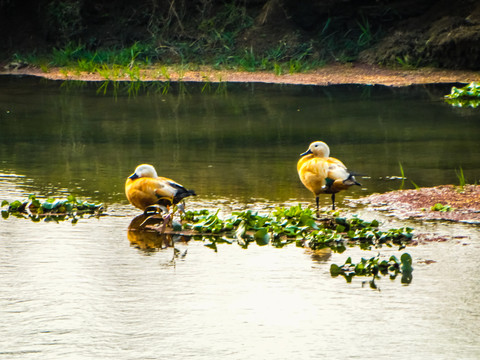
[90, 291]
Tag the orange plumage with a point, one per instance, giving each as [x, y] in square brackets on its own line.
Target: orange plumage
[144, 189]
[322, 174]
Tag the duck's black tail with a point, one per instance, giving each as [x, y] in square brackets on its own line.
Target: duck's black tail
[351, 180]
[182, 194]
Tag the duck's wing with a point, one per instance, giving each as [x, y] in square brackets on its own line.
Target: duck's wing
[339, 177]
[176, 190]
[144, 192]
[336, 169]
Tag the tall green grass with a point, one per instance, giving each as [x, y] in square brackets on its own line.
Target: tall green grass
[461, 177]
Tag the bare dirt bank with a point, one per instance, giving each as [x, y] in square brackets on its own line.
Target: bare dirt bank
[329, 75]
[463, 203]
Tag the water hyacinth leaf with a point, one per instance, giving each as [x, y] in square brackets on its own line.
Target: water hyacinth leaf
[4, 202]
[176, 225]
[52, 209]
[300, 225]
[35, 203]
[335, 270]
[262, 236]
[212, 245]
[15, 205]
[360, 268]
[406, 259]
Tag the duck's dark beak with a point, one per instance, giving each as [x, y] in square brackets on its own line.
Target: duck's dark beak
[133, 176]
[306, 152]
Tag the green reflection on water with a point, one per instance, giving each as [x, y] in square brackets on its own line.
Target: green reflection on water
[240, 143]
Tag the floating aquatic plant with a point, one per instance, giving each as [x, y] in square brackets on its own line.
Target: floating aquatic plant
[300, 225]
[51, 208]
[376, 266]
[467, 96]
[295, 224]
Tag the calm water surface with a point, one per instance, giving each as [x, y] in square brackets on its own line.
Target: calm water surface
[84, 291]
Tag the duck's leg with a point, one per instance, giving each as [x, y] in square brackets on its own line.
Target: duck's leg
[155, 209]
[317, 199]
[333, 201]
[167, 219]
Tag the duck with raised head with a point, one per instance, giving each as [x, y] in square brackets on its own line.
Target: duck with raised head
[146, 190]
[322, 174]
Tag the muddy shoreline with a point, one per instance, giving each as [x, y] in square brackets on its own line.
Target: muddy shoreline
[334, 74]
[458, 204]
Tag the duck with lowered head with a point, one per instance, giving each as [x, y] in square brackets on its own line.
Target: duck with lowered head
[147, 191]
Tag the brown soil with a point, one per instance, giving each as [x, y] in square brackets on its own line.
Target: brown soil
[405, 204]
[328, 75]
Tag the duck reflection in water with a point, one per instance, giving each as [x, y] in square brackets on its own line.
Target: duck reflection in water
[142, 235]
[320, 255]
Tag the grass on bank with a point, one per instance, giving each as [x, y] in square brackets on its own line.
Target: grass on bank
[215, 47]
[127, 63]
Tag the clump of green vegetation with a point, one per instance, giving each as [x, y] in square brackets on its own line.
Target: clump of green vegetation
[295, 224]
[462, 181]
[408, 63]
[467, 96]
[375, 267]
[403, 178]
[442, 208]
[51, 209]
[214, 36]
[301, 226]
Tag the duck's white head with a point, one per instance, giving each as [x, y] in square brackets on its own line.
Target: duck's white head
[144, 170]
[318, 149]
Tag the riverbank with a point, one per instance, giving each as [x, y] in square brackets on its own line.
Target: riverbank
[443, 202]
[333, 74]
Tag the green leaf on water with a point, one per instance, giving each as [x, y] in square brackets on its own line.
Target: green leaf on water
[176, 225]
[262, 236]
[406, 258]
[335, 270]
[14, 205]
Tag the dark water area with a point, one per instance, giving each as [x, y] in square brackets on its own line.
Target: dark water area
[89, 291]
[234, 140]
